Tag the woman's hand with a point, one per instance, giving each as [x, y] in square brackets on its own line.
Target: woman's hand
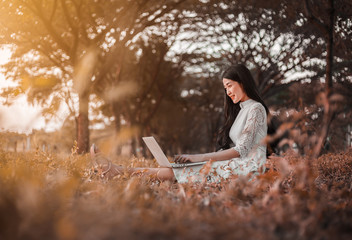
[182, 158]
[186, 158]
[214, 156]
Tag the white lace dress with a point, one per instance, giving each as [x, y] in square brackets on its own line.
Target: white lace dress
[247, 133]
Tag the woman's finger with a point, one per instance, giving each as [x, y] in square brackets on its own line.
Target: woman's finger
[177, 158]
[182, 159]
[185, 159]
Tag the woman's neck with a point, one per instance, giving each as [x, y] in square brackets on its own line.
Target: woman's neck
[245, 98]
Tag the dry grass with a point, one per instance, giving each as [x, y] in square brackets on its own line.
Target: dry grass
[58, 197]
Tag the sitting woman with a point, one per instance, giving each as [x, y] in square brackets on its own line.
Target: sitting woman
[242, 150]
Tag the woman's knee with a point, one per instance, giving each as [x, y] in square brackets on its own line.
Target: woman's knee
[166, 174]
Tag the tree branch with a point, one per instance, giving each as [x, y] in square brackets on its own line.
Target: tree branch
[49, 27]
[324, 28]
[53, 11]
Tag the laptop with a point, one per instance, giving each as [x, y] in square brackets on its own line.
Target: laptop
[161, 158]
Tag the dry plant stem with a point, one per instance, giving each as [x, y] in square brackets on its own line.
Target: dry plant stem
[328, 117]
[328, 30]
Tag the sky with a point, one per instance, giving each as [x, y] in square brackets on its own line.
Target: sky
[23, 117]
[20, 116]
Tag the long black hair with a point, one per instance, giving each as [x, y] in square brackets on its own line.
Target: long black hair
[243, 76]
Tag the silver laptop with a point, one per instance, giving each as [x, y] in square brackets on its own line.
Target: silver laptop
[160, 156]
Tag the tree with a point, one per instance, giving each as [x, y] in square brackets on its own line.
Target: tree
[148, 80]
[54, 43]
[144, 64]
[60, 44]
[274, 39]
[244, 32]
[326, 23]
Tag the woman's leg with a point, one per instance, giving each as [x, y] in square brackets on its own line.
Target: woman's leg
[110, 170]
[162, 174]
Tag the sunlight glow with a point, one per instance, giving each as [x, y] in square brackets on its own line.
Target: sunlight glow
[20, 116]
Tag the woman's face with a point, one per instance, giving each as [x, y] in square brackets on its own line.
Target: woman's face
[234, 90]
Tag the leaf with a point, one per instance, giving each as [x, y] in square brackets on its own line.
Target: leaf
[121, 91]
[84, 70]
[53, 107]
[44, 82]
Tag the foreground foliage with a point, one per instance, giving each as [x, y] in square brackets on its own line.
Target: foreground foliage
[59, 197]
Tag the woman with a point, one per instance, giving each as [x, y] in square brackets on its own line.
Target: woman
[241, 147]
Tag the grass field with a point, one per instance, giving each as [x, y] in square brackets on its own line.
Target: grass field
[44, 196]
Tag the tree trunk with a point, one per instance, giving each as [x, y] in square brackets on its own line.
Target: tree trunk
[116, 113]
[134, 146]
[328, 114]
[83, 125]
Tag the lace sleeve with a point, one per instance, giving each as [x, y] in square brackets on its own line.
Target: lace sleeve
[246, 140]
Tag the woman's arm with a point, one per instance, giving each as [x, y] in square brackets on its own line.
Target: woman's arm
[244, 144]
[215, 156]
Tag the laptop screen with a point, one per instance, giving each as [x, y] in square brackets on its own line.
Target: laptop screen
[155, 149]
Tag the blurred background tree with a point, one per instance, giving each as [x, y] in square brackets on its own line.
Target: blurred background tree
[285, 52]
[61, 45]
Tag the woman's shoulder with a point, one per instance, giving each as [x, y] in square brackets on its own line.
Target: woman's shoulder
[257, 109]
[257, 105]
